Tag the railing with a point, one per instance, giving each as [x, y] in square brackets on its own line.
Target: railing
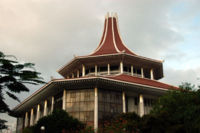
[113, 73]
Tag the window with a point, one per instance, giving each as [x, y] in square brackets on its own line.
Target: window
[80, 104]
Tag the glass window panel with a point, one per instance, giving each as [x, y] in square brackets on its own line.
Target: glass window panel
[87, 96]
[112, 98]
[91, 95]
[107, 96]
[68, 96]
[76, 106]
[101, 106]
[83, 106]
[77, 96]
[69, 107]
[82, 116]
[76, 115]
[100, 115]
[107, 107]
[100, 97]
[90, 116]
[90, 106]
[82, 96]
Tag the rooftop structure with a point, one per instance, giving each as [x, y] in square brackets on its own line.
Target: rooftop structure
[110, 80]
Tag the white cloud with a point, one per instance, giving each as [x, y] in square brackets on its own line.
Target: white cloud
[50, 32]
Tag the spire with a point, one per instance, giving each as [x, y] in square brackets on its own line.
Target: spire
[111, 41]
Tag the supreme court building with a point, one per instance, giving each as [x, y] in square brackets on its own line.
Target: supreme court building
[110, 80]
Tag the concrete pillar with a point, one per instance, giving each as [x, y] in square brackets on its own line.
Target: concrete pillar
[121, 67]
[132, 70]
[26, 120]
[64, 100]
[52, 103]
[31, 118]
[96, 73]
[95, 109]
[124, 102]
[38, 113]
[151, 73]
[142, 72]
[83, 70]
[78, 74]
[141, 105]
[108, 69]
[45, 108]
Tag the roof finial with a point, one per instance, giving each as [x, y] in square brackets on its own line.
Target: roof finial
[107, 15]
[115, 15]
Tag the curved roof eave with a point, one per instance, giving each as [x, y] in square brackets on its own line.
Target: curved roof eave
[86, 78]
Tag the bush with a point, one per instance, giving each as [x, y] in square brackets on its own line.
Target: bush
[59, 121]
[28, 130]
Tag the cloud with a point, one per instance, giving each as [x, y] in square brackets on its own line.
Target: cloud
[177, 76]
[50, 32]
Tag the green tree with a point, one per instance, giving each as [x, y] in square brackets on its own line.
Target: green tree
[122, 123]
[59, 121]
[175, 112]
[13, 77]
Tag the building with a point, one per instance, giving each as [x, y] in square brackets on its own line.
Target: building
[111, 80]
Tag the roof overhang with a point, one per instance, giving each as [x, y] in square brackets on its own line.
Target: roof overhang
[56, 86]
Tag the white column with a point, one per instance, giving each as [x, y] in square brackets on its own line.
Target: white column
[45, 108]
[64, 100]
[132, 70]
[26, 120]
[141, 105]
[121, 67]
[96, 70]
[95, 109]
[31, 118]
[38, 113]
[142, 72]
[151, 73]
[52, 104]
[108, 69]
[78, 74]
[83, 70]
[124, 102]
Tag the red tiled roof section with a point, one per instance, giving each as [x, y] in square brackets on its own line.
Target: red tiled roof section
[111, 42]
[143, 81]
[118, 39]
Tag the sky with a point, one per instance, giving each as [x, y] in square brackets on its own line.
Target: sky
[50, 33]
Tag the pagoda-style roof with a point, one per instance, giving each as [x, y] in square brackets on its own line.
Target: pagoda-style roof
[111, 41]
[111, 49]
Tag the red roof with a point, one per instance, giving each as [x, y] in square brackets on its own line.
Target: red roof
[142, 81]
[111, 41]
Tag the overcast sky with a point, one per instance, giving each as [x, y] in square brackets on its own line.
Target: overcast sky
[50, 32]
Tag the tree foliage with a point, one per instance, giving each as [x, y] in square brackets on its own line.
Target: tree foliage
[59, 121]
[13, 77]
[177, 111]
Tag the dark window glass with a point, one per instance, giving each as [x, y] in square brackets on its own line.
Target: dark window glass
[136, 100]
[112, 68]
[92, 69]
[103, 69]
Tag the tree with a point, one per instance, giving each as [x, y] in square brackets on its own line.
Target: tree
[177, 111]
[59, 121]
[13, 77]
[122, 123]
